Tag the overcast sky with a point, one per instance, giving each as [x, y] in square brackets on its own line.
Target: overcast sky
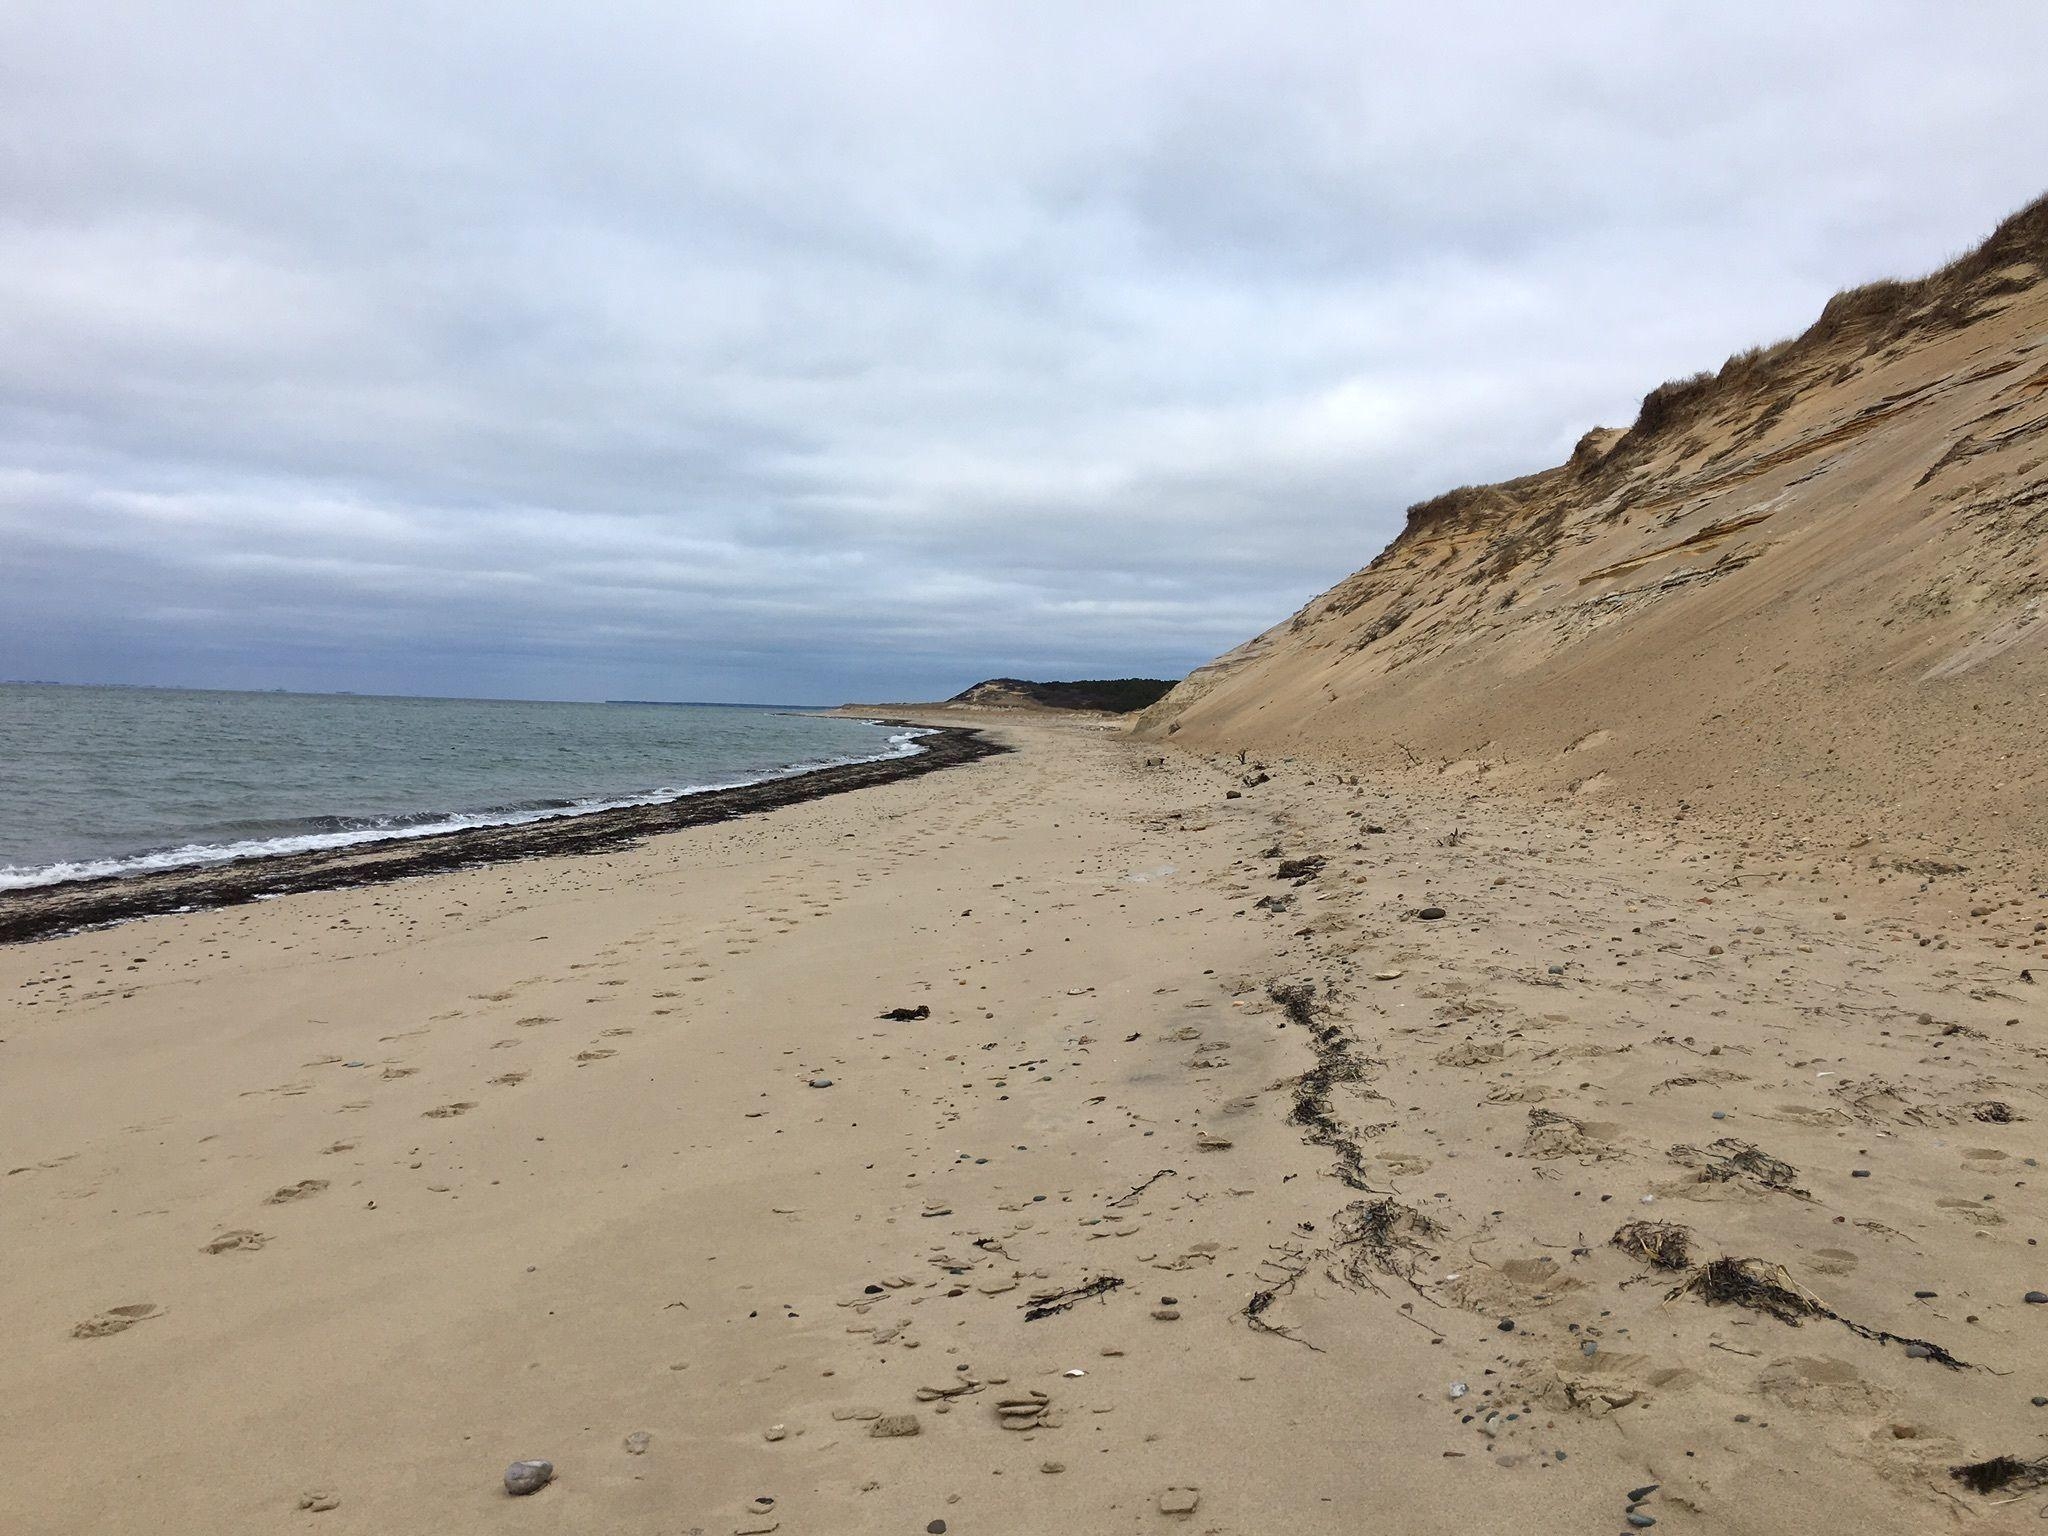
[808, 352]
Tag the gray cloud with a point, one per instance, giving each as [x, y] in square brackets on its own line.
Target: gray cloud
[831, 350]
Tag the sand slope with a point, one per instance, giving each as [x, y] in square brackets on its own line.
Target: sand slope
[1810, 591]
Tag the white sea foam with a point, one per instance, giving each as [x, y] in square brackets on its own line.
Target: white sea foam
[902, 743]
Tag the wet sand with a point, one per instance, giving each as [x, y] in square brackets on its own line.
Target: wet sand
[320, 1211]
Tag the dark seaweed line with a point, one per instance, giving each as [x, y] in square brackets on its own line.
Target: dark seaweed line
[47, 911]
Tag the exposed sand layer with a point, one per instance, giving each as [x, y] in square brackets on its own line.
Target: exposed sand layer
[1808, 594]
[320, 1212]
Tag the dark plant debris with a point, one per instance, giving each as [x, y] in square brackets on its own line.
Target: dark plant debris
[1762, 1286]
[1050, 1302]
[1659, 1244]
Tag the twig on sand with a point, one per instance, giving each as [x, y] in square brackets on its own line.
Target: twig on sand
[1164, 1173]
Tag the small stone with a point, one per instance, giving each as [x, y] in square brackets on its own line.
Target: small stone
[775, 1432]
[1506, 1325]
[1925, 1295]
[821, 1082]
[319, 1501]
[1179, 1501]
[1859, 1173]
[1720, 1114]
[2037, 1298]
[1641, 1522]
[1458, 1389]
[1589, 1348]
[936, 1528]
[1052, 1466]
[2041, 1402]
[1167, 1314]
[1637, 1495]
[1918, 1352]
[637, 1442]
[528, 1476]
[1430, 914]
[895, 1426]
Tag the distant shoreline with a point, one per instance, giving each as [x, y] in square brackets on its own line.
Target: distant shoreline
[38, 912]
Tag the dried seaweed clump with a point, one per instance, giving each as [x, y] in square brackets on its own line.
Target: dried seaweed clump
[1659, 1244]
[1762, 1286]
[1730, 1160]
[2002, 1472]
[1995, 1112]
[1380, 1237]
[1757, 1284]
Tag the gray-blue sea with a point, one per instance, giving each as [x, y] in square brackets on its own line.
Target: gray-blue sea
[109, 781]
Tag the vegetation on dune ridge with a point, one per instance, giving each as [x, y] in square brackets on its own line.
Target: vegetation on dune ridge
[1113, 695]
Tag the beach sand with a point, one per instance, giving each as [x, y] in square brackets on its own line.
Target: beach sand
[320, 1211]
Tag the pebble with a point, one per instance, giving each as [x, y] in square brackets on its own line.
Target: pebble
[637, 1442]
[1918, 1352]
[895, 1426]
[1589, 1348]
[1859, 1173]
[775, 1432]
[936, 1528]
[821, 1082]
[1720, 1114]
[319, 1502]
[1430, 914]
[1506, 1325]
[2041, 1402]
[1167, 1314]
[1179, 1501]
[2038, 1298]
[528, 1476]
[1642, 1522]
[1458, 1390]
[1637, 1495]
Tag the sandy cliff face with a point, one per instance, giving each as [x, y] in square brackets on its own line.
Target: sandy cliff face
[1811, 589]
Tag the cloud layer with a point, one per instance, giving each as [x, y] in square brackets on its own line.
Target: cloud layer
[822, 351]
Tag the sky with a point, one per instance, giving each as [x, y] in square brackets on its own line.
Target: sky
[814, 352]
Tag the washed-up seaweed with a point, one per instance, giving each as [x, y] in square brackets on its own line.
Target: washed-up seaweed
[2021, 1476]
[1334, 1064]
[1126, 1199]
[1730, 1160]
[1300, 870]
[1659, 1244]
[1379, 1237]
[1762, 1286]
[1059, 1301]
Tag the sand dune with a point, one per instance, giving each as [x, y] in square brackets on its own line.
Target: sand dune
[1809, 592]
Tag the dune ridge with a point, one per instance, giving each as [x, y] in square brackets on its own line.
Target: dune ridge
[1808, 589]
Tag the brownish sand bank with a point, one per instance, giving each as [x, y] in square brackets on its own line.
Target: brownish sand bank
[321, 1211]
[41, 911]
[1809, 592]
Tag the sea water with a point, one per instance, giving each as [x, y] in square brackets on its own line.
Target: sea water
[110, 781]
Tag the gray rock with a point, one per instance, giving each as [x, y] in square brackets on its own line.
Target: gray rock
[2038, 1298]
[637, 1442]
[528, 1476]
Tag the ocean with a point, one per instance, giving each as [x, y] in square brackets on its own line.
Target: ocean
[111, 781]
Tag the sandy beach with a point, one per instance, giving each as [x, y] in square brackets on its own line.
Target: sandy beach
[320, 1211]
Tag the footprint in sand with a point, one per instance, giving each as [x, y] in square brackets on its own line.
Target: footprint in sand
[392, 1074]
[449, 1111]
[304, 1189]
[594, 1055]
[238, 1241]
[533, 1019]
[116, 1320]
[339, 1146]
[508, 1080]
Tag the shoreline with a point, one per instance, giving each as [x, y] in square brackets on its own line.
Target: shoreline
[48, 911]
